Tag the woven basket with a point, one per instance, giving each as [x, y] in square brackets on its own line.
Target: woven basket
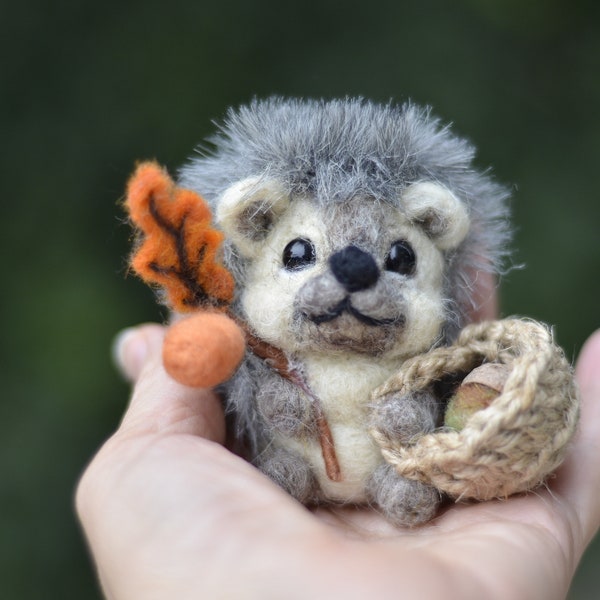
[518, 440]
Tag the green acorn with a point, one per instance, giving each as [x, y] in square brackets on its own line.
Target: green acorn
[476, 392]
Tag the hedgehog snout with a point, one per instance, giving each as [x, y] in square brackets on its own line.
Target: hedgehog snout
[354, 269]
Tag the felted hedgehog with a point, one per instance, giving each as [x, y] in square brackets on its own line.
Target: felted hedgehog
[354, 233]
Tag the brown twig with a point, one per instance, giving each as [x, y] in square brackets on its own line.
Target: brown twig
[277, 360]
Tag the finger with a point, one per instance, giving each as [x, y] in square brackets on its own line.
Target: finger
[579, 480]
[484, 297]
[587, 371]
[158, 403]
[130, 348]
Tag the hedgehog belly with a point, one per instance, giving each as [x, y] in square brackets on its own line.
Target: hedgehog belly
[344, 385]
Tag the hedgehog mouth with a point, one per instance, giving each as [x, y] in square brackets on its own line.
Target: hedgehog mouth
[345, 306]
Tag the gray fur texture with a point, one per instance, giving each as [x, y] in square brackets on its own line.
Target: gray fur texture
[404, 418]
[348, 157]
[339, 149]
[403, 502]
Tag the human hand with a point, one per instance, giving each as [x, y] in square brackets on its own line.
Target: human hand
[170, 513]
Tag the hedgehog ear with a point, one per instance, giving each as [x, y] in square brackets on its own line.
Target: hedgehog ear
[248, 210]
[438, 211]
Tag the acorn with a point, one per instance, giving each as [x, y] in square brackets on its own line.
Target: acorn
[203, 350]
[476, 392]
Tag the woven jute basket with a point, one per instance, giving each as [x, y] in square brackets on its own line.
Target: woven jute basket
[518, 440]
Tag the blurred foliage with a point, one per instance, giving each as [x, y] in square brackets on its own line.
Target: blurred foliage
[89, 88]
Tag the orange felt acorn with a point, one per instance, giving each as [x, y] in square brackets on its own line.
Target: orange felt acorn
[178, 251]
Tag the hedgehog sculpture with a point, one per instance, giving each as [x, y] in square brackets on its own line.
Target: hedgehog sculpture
[355, 233]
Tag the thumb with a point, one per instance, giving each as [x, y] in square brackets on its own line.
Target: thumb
[579, 479]
[588, 443]
[158, 403]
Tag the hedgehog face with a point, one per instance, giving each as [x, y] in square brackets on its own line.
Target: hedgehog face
[360, 276]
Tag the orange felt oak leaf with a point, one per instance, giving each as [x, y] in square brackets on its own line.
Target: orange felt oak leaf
[177, 248]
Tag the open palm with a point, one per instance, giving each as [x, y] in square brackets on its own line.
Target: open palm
[169, 512]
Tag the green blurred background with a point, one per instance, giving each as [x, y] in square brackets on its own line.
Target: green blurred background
[86, 89]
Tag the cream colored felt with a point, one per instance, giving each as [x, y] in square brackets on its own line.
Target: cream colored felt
[260, 219]
[270, 290]
[248, 209]
[438, 211]
[344, 385]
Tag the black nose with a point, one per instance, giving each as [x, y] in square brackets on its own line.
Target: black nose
[354, 269]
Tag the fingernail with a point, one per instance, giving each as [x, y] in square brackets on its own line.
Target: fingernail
[129, 351]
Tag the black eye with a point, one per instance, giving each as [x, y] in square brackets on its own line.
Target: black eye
[401, 258]
[298, 254]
